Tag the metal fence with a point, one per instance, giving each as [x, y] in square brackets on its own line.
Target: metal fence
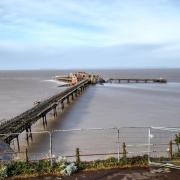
[164, 148]
[99, 143]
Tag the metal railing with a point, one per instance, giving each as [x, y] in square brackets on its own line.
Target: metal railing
[99, 143]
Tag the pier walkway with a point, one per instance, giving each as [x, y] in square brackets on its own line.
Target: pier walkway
[137, 80]
[11, 129]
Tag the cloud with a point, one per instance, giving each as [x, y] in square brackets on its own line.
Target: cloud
[86, 22]
[122, 56]
[90, 29]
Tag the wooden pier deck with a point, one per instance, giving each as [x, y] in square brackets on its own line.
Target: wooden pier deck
[137, 80]
[24, 121]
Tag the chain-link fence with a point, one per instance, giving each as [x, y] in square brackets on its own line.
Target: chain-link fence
[162, 145]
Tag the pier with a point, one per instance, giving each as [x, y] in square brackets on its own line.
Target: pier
[11, 129]
[136, 80]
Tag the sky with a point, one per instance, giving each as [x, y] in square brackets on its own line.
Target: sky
[65, 34]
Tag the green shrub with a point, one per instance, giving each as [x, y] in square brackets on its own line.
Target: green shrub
[112, 162]
[111, 159]
[27, 168]
[21, 167]
[123, 161]
[44, 167]
[3, 171]
[60, 165]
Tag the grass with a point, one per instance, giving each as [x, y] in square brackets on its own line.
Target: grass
[138, 161]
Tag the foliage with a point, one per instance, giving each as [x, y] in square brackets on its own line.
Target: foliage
[112, 162]
[42, 167]
[61, 160]
[3, 171]
[177, 141]
[62, 167]
[176, 155]
[22, 167]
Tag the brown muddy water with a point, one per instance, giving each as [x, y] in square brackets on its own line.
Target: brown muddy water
[100, 106]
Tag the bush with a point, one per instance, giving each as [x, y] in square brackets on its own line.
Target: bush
[111, 159]
[21, 167]
[62, 167]
[3, 171]
[112, 162]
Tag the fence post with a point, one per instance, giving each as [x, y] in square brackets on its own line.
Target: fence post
[124, 149]
[118, 146]
[27, 159]
[77, 156]
[170, 150]
[50, 143]
[149, 145]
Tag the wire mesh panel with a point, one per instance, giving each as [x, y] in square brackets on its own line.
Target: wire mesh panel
[134, 140]
[165, 146]
[161, 144]
[31, 146]
[92, 143]
[40, 146]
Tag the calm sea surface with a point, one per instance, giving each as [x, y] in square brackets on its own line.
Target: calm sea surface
[100, 106]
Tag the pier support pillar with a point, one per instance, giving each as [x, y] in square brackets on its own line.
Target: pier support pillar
[43, 118]
[30, 133]
[18, 146]
[27, 136]
[62, 105]
[76, 93]
[72, 96]
[82, 88]
[55, 112]
[79, 91]
[68, 101]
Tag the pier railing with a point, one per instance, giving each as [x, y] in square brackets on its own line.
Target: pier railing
[98, 143]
